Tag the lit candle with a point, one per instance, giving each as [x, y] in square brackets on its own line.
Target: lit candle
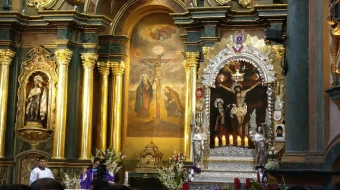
[231, 140]
[224, 141]
[216, 141]
[246, 141]
[238, 141]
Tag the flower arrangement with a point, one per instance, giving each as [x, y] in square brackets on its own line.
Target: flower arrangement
[173, 174]
[111, 159]
[73, 183]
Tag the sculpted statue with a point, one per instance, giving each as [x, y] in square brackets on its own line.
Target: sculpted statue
[260, 147]
[257, 133]
[36, 109]
[198, 143]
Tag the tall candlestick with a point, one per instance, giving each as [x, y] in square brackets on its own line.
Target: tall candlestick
[239, 141]
[216, 141]
[246, 141]
[231, 140]
[224, 141]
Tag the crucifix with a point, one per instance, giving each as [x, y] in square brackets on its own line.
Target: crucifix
[157, 68]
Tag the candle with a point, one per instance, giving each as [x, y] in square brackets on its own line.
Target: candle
[216, 141]
[224, 142]
[126, 179]
[239, 141]
[231, 140]
[246, 141]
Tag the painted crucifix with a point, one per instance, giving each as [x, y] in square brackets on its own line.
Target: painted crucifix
[157, 68]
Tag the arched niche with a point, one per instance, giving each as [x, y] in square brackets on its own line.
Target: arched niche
[264, 64]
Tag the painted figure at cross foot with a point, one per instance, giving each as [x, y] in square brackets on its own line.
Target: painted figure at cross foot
[96, 171]
[222, 127]
[143, 97]
[172, 103]
[240, 108]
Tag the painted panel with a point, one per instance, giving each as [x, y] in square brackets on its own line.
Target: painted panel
[156, 79]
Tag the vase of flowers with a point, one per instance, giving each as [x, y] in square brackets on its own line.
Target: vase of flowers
[73, 183]
[172, 175]
[111, 159]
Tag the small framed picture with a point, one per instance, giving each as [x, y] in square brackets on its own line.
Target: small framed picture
[280, 133]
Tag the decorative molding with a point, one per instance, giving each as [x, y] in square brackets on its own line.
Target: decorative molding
[41, 4]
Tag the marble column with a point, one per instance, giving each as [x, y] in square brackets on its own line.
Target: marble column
[88, 60]
[192, 61]
[297, 78]
[6, 56]
[116, 128]
[104, 69]
[63, 59]
[187, 134]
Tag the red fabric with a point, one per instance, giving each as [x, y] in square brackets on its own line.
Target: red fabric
[185, 186]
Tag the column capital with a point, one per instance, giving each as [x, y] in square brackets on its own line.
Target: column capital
[6, 56]
[192, 58]
[63, 56]
[104, 67]
[206, 50]
[89, 59]
[186, 66]
[117, 68]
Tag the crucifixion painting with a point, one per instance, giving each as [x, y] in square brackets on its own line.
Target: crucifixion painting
[156, 65]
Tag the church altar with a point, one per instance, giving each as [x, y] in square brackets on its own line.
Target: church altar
[226, 163]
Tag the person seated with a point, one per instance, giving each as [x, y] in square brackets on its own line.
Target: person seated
[46, 183]
[99, 184]
[15, 187]
[118, 187]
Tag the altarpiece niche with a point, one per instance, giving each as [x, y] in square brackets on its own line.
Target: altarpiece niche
[36, 97]
[242, 81]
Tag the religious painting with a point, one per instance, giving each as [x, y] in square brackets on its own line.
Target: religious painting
[279, 133]
[156, 79]
[238, 91]
[37, 98]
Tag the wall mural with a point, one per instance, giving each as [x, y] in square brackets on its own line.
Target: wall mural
[238, 92]
[157, 79]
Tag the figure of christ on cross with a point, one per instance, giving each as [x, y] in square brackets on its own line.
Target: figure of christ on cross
[157, 68]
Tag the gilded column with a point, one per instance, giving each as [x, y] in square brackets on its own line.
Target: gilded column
[89, 60]
[192, 61]
[63, 59]
[104, 69]
[115, 140]
[187, 116]
[6, 56]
